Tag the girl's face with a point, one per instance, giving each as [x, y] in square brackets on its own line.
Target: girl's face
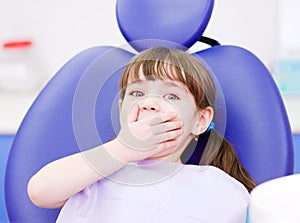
[165, 96]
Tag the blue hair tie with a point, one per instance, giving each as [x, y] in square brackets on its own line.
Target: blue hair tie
[211, 126]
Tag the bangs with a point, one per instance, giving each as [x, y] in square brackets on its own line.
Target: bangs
[150, 70]
[154, 70]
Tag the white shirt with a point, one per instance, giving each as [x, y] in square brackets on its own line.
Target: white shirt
[160, 192]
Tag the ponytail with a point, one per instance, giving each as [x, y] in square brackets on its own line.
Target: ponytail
[226, 159]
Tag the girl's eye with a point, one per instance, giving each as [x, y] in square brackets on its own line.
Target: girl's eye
[171, 96]
[137, 94]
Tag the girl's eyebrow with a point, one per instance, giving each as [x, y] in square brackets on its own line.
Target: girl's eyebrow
[177, 85]
[136, 82]
[174, 84]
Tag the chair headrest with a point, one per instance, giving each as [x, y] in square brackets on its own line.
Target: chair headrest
[181, 22]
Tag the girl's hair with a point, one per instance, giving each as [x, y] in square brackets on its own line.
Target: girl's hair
[164, 63]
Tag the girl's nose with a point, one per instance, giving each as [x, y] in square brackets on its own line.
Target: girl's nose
[149, 104]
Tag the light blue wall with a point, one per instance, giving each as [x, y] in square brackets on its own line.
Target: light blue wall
[5, 144]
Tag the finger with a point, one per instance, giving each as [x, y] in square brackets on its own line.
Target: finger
[166, 127]
[133, 114]
[167, 136]
[172, 135]
[161, 118]
[165, 148]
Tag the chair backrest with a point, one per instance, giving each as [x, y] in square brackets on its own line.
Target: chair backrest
[78, 108]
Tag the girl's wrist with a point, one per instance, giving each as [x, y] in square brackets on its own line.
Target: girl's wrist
[105, 159]
[118, 151]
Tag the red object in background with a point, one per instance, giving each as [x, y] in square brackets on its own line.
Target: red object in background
[17, 44]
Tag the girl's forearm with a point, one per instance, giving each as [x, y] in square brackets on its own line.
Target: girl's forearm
[56, 182]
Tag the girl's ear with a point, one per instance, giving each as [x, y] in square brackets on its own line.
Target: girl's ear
[203, 119]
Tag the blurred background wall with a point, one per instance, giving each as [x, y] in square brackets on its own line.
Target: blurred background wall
[60, 29]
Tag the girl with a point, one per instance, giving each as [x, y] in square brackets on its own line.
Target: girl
[166, 102]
